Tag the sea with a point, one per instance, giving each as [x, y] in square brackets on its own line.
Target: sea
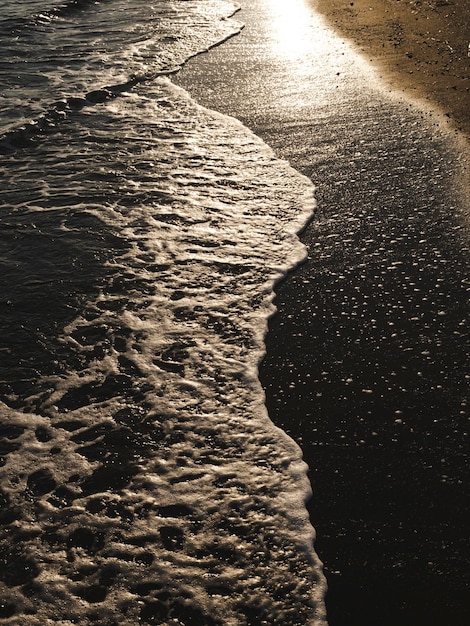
[141, 237]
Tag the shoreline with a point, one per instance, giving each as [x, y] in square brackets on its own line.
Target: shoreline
[365, 358]
[418, 47]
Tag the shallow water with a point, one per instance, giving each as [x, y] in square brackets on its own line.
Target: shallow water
[142, 480]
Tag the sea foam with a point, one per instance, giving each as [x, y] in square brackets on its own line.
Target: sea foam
[143, 481]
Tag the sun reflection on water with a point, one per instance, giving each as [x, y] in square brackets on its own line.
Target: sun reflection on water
[306, 52]
[292, 28]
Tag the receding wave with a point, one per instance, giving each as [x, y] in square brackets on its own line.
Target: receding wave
[142, 480]
[83, 51]
[59, 112]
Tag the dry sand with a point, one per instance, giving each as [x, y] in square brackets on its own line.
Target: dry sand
[419, 46]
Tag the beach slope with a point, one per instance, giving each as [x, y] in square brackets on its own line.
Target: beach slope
[419, 46]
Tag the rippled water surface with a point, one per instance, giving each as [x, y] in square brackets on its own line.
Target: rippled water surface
[141, 235]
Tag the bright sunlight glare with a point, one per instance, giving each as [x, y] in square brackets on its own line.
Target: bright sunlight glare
[291, 26]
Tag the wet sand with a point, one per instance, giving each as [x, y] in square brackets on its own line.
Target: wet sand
[419, 46]
[368, 354]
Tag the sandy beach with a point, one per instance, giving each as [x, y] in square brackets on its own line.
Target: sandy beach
[419, 46]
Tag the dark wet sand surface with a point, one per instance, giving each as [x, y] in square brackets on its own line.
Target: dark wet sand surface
[367, 359]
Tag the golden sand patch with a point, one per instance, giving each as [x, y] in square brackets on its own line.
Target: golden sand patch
[420, 46]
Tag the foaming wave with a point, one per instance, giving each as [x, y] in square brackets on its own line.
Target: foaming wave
[72, 49]
[143, 481]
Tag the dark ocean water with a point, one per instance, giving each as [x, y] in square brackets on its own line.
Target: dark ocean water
[140, 239]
